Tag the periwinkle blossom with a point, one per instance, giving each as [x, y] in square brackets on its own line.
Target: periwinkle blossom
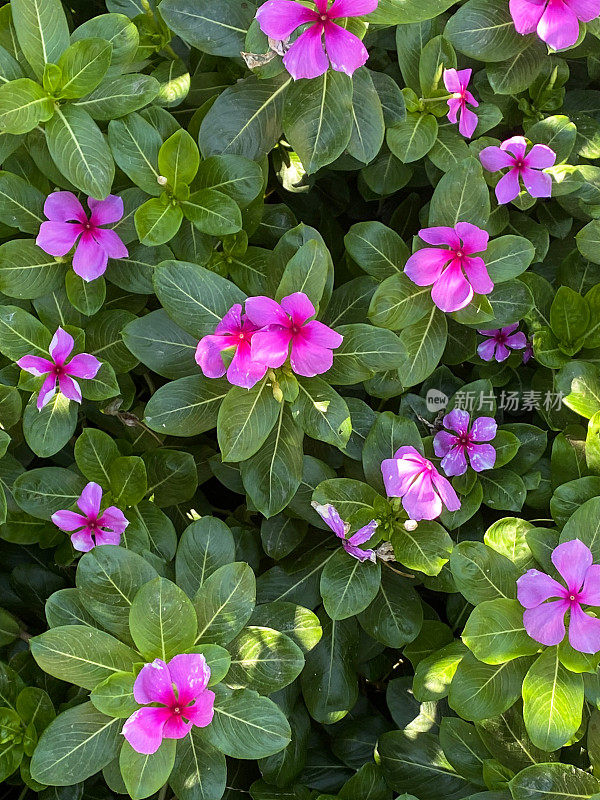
[234, 332]
[330, 515]
[526, 166]
[306, 57]
[415, 479]
[179, 688]
[556, 21]
[545, 621]
[287, 329]
[500, 342]
[92, 527]
[456, 81]
[59, 370]
[453, 448]
[454, 270]
[68, 222]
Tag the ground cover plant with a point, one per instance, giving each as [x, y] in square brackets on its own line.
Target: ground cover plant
[300, 399]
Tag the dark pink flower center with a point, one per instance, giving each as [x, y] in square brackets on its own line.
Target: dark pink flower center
[500, 337]
[88, 226]
[59, 369]
[519, 163]
[295, 330]
[324, 17]
[458, 254]
[464, 439]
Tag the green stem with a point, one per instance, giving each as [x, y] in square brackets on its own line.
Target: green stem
[436, 99]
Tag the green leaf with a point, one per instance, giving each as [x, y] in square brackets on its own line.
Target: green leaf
[368, 127]
[399, 303]
[200, 771]
[481, 573]
[461, 195]
[518, 72]
[21, 207]
[508, 256]
[426, 549]
[86, 296]
[321, 412]
[348, 586]
[175, 356]
[116, 97]
[553, 781]
[413, 137]
[347, 495]
[41, 492]
[235, 176]
[503, 489]
[377, 249]
[484, 30]
[83, 65]
[162, 620]
[186, 407]
[77, 744]
[395, 616]
[569, 317]
[212, 212]
[95, 450]
[314, 118]
[128, 482]
[78, 149]
[157, 221]
[145, 774]
[552, 702]
[23, 104]
[246, 725]
[172, 476]
[178, 159]
[264, 660]
[224, 603]
[423, 342]
[246, 418]
[307, 271]
[300, 624]
[463, 748]
[217, 27]
[42, 31]
[495, 632]
[116, 29]
[204, 546]
[135, 145]
[364, 351]
[434, 672]
[479, 691]
[114, 696]
[48, 431]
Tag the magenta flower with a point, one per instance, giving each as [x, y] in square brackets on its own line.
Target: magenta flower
[452, 449]
[456, 81]
[527, 167]
[82, 365]
[446, 268]
[91, 527]
[287, 324]
[501, 342]
[235, 331]
[545, 622]
[180, 689]
[556, 21]
[307, 58]
[329, 514]
[68, 221]
[412, 477]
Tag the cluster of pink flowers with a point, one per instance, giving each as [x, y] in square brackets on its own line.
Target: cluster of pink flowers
[526, 166]
[180, 689]
[453, 448]
[330, 515]
[59, 370]
[455, 270]
[545, 621]
[500, 343]
[91, 527]
[556, 21]
[456, 81]
[307, 57]
[68, 223]
[264, 337]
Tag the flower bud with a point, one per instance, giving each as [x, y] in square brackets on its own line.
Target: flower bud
[411, 525]
[161, 180]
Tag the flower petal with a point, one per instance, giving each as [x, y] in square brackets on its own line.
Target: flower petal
[559, 26]
[363, 534]
[477, 275]
[318, 333]
[231, 322]
[84, 366]
[270, 346]
[446, 490]
[154, 684]
[57, 238]
[468, 122]
[265, 311]
[345, 50]
[64, 207]
[309, 359]
[208, 354]
[541, 156]
[107, 538]
[572, 559]
[454, 462]
[508, 187]
[144, 729]
[90, 499]
[484, 429]
[352, 8]
[69, 388]
[299, 307]
[190, 673]
[358, 554]
[590, 594]
[330, 516]
[493, 159]
[107, 211]
[452, 80]
[584, 631]
[421, 501]
[90, 259]
[526, 14]
[538, 184]
[585, 10]
[515, 145]
[425, 266]
[441, 234]
[280, 18]
[35, 365]
[487, 349]
[474, 239]
[535, 587]
[201, 712]
[546, 623]
[457, 420]
[452, 291]
[68, 520]
[481, 456]
[306, 57]
[83, 541]
[244, 370]
[110, 242]
[61, 346]
[113, 518]
[47, 391]
[443, 442]
[517, 341]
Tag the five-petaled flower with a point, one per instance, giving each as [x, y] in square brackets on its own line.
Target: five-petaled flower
[330, 515]
[287, 328]
[68, 221]
[234, 332]
[511, 153]
[307, 58]
[500, 342]
[180, 689]
[556, 21]
[456, 81]
[92, 527]
[447, 267]
[59, 371]
[453, 448]
[414, 478]
[545, 622]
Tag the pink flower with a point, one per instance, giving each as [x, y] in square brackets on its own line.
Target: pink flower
[329, 514]
[180, 689]
[501, 342]
[235, 331]
[526, 167]
[68, 221]
[287, 324]
[412, 477]
[457, 82]
[91, 527]
[306, 58]
[556, 21]
[446, 268]
[545, 622]
[80, 366]
[452, 449]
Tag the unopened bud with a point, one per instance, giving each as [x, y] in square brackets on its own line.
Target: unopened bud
[277, 393]
[411, 525]
[161, 180]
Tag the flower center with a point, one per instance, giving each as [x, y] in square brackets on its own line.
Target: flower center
[459, 95]
[58, 370]
[571, 597]
[324, 17]
[87, 226]
[459, 254]
[464, 439]
[295, 330]
[240, 336]
[177, 710]
[518, 162]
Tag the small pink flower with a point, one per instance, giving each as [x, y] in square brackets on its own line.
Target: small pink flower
[179, 688]
[68, 221]
[453, 449]
[545, 622]
[235, 331]
[447, 267]
[457, 82]
[330, 515]
[58, 370]
[556, 21]
[307, 58]
[288, 324]
[511, 153]
[413, 477]
[501, 342]
[92, 527]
